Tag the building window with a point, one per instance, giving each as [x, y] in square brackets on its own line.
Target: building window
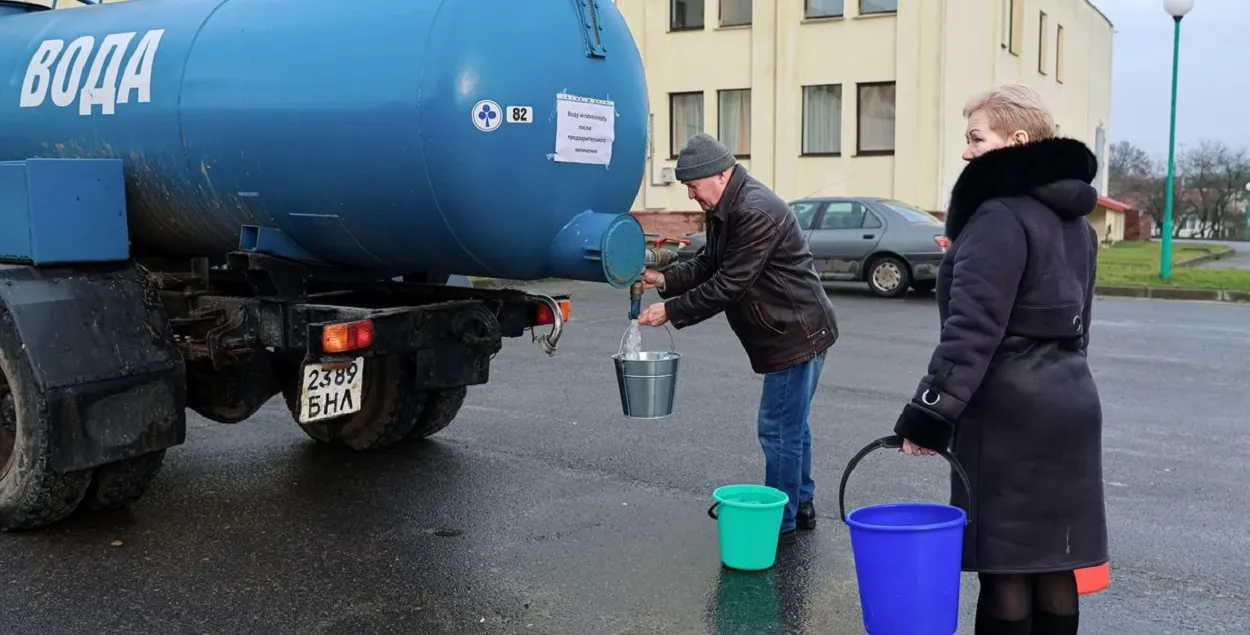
[823, 9]
[1059, 54]
[685, 15]
[735, 12]
[1015, 13]
[878, 6]
[734, 120]
[1043, 42]
[822, 120]
[875, 117]
[685, 119]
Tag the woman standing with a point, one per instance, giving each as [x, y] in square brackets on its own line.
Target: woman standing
[1009, 385]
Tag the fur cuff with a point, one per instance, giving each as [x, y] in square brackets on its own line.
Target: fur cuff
[925, 428]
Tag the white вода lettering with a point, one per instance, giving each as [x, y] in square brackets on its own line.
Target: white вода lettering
[101, 86]
[60, 70]
[39, 73]
[73, 63]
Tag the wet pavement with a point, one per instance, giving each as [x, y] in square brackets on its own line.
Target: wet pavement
[542, 510]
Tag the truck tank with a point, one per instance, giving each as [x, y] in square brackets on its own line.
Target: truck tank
[495, 138]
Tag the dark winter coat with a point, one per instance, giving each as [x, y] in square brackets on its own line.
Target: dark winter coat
[757, 268]
[1009, 385]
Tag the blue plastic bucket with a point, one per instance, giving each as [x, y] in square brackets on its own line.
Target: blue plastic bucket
[907, 559]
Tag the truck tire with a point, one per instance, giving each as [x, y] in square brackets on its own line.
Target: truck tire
[32, 494]
[389, 414]
[117, 485]
[441, 407]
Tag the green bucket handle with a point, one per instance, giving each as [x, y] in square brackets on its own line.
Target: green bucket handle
[711, 511]
[895, 441]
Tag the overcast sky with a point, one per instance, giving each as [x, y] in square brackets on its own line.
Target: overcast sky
[1213, 99]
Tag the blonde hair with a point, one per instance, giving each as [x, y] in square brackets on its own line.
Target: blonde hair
[1013, 107]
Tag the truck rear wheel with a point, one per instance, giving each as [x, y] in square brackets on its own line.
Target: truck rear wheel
[117, 485]
[32, 494]
[391, 409]
[441, 407]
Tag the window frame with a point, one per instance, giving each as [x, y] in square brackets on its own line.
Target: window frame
[878, 12]
[859, 120]
[672, 17]
[1043, 42]
[673, 149]
[1015, 38]
[720, 120]
[803, 152]
[720, 15]
[1059, 53]
[807, 12]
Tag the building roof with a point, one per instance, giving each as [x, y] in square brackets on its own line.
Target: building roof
[1113, 205]
[1099, 12]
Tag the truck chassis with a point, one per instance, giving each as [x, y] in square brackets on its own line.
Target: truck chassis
[99, 362]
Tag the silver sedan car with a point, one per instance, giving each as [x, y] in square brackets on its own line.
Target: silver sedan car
[888, 244]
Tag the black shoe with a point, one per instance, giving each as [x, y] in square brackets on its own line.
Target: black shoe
[787, 538]
[805, 519]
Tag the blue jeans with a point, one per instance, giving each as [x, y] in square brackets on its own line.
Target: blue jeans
[785, 435]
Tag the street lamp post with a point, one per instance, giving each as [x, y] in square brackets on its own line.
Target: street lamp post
[1177, 9]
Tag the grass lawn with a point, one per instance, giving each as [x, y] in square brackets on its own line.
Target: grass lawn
[1137, 264]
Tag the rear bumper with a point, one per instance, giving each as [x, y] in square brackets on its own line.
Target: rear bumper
[924, 267]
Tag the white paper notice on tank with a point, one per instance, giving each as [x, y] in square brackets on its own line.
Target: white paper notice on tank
[585, 129]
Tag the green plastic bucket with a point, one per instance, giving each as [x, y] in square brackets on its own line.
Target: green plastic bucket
[748, 523]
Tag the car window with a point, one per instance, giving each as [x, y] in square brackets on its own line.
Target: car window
[843, 215]
[912, 214]
[805, 211]
[871, 221]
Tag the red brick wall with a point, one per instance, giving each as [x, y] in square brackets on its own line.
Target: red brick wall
[1137, 226]
[670, 224]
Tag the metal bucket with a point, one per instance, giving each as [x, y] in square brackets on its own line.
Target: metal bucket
[647, 381]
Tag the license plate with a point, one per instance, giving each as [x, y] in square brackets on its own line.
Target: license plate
[331, 390]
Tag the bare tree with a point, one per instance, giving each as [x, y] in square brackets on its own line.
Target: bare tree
[1209, 181]
[1215, 177]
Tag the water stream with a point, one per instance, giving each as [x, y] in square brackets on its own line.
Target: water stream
[631, 348]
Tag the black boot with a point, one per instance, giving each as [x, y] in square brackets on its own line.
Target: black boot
[1050, 624]
[806, 517]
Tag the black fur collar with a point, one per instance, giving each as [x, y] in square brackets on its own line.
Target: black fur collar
[1015, 171]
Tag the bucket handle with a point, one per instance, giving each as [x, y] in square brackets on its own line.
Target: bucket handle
[711, 511]
[672, 346]
[891, 442]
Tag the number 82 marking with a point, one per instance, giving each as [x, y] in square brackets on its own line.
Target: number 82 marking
[519, 114]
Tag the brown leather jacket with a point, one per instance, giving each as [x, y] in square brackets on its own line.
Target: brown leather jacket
[757, 268]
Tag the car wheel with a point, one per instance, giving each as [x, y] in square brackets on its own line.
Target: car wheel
[888, 277]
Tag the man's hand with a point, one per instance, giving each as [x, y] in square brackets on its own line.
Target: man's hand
[911, 449]
[652, 279]
[654, 315]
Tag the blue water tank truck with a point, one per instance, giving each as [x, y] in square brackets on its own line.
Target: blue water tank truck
[207, 203]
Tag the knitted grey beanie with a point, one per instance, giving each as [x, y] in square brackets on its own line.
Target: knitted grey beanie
[702, 157]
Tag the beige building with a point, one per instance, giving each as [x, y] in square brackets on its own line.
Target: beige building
[856, 97]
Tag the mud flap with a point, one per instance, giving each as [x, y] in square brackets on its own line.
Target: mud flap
[101, 350]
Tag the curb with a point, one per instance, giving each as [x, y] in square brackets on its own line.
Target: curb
[1173, 293]
[1220, 255]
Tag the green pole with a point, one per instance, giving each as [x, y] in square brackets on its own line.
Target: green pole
[1165, 260]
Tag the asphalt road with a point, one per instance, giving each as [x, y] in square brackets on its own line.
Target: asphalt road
[542, 510]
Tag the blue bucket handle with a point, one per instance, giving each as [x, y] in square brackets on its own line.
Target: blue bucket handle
[892, 442]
